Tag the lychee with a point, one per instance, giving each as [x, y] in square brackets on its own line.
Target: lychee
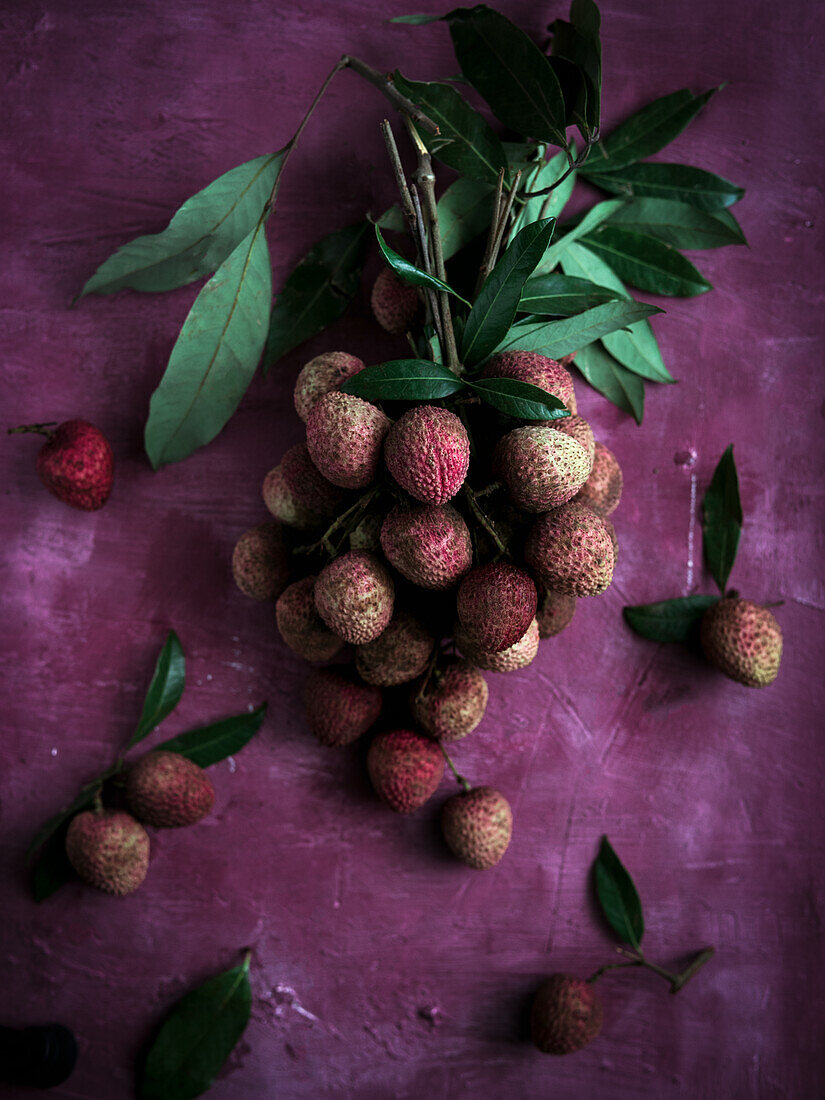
[345, 436]
[366, 535]
[260, 564]
[529, 366]
[429, 545]
[300, 625]
[339, 709]
[496, 604]
[566, 1015]
[570, 550]
[167, 790]
[396, 656]
[603, 489]
[428, 453]
[394, 304]
[452, 703]
[297, 494]
[405, 769]
[75, 463]
[743, 640]
[477, 825]
[556, 611]
[109, 850]
[518, 655]
[321, 375]
[541, 467]
[354, 596]
[577, 428]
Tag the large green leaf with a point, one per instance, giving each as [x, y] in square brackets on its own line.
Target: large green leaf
[207, 228]
[618, 897]
[409, 273]
[679, 223]
[209, 744]
[578, 42]
[615, 382]
[519, 399]
[546, 175]
[165, 689]
[646, 262]
[722, 519]
[681, 182]
[669, 620]
[593, 218]
[558, 338]
[464, 212]
[648, 131]
[403, 380]
[215, 356]
[562, 295]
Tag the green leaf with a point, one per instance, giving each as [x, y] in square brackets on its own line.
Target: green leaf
[669, 620]
[681, 182]
[215, 355]
[197, 1037]
[521, 400]
[722, 522]
[416, 20]
[318, 290]
[729, 222]
[84, 799]
[392, 220]
[578, 41]
[562, 296]
[557, 338]
[496, 306]
[593, 218]
[409, 273]
[546, 175]
[618, 897]
[209, 744]
[464, 211]
[165, 690]
[472, 148]
[52, 868]
[648, 131]
[679, 224]
[509, 70]
[404, 380]
[205, 230]
[646, 262]
[615, 382]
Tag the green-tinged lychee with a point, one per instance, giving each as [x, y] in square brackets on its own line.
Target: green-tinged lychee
[398, 655]
[405, 768]
[394, 304]
[538, 370]
[603, 489]
[428, 453]
[518, 655]
[429, 545]
[260, 564]
[577, 428]
[297, 494]
[570, 550]
[354, 596]
[542, 467]
[345, 436]
[339, 708]
[300, 625]
[321, 375]
[743, 640]
[477, 825]
[567, 1014]
[556, 611]
[366, 535]
[496, 604]
[109, 850]
[167, 790]
[452, 702]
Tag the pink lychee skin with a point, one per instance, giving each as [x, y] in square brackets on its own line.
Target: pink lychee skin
[517, 656]
[260, 564]
[300, 625]
[354, 596]
[529, 366]
[398, 655]
[76, 465]
[109, 850]
[477, 826]
[297, 494]
[570, 550]
[496, 604]
[452, 704]
[345, 436]
[405, 769]
[428, 453]
[321, 375]
[603, 489]
[429, 545]
[541, 467]
[743, 640]
[339, 709]
[394, 304]
[566, 1015]
[577, 428]
[166, 790]
[555, 612]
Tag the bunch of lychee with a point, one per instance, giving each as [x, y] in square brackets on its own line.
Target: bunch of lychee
[440, 542]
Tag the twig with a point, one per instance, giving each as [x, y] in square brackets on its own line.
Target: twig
[353, 512]
[573, 165]
[462, 782]
[484, 519]
[484, 270]
[398, 168]
[421, 229]
[387, 88]
[497, 229]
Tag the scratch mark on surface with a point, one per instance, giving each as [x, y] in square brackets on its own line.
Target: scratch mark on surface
[568, 827]
[637, 687]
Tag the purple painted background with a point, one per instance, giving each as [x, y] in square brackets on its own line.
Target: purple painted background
[381, 967]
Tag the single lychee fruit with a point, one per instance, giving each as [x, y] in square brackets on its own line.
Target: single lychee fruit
[394, 304]
[542, 467]
[167, 790]
[75, 463]
[743, 640]
[556, 611]
[300, 625]
[611, 530]
[577, 428]
[452, 703]
[260, 564]
[366, 535]
[518, 655]
[354, 596]
[321, 375]
[297, 494]
[570, 550]
[398, 655]
[529, 366]
[345, 436]
[603, 489]
[477, 825]
[428, 453]
[496, 604]
[429, 545]
[566, 1015]
[405, 769]
[339, 709]
[109, 850]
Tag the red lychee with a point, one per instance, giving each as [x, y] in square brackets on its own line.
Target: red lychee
[405, 769]
[76, 463]
[542, 467]
[529, 366]
[394, 304]
[496, 604]
[555, 612]
[396, 656]
[570, 550]
[603, 489]
[428, 453]
[567, 1014]
[518, 655]
[429, 545]
[260, 564]
[345, 436]
[167, 790]
[300, 625]
[297, 494]
[453, 701]
[477, 825]
[339, 709]
[321, 375]
[743, 640]
[354, 596]
[109, 850]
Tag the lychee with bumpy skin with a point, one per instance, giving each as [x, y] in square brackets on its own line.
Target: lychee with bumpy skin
[428, 453]
[76, 463]
[567, 1014]
[300, 625]
[541, 467]
[297, 494]
[538, 370]
[354, 596]
[570, 550]
[496, 604]
[518, 655]
[394, 304]
[405, 769]
[167, 790]
[321, 375]
[603, 489]
[429, 545]
[743, 640]
[452, 703]
[345, 436]
[339, 709]
[109, 850]
[577, 428]
[477, 825]
[556, 611]
[260, 564]
[396, 656]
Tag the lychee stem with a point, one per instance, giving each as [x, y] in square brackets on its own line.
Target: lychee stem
[97, 802]
[484, 519]
[462, 782]
[40, 429]
[637, 959]
[352, 514]
[486, 265]
[428, 675]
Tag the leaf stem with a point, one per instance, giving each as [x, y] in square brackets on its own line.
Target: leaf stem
[676, 980]
[421, 230]
[703, 957]
[387, 88]
[573, 164]
[462, 782]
